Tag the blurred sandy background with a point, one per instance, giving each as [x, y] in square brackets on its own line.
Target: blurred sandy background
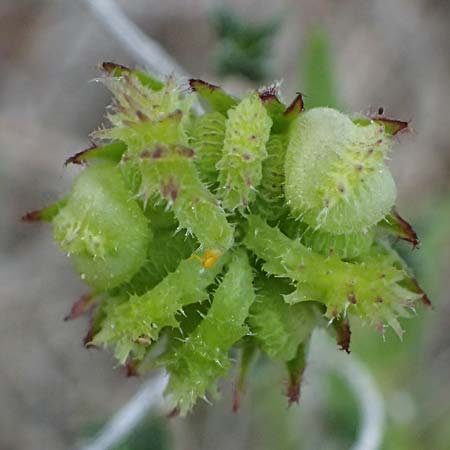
[390, 53]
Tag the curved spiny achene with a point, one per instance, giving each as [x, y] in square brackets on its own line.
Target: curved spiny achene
[207, 138]
[270, 202]
[278, 327]
[345, 246]
[201, 358]
[130, 325]
[164, 253]
[373, 289]
[170, 173]
[91, 226]
[138, 113]
[240, 168]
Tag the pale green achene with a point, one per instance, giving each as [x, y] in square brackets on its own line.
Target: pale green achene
[169, 172]
[247, 131]
[336, 179]
[102, 228]
[373, 288]
[207, 139]
[139, 321]
[231, 233]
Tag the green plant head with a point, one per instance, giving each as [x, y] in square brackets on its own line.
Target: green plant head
[238, 230]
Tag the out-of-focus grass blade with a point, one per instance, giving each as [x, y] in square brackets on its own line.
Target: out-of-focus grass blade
[317, 71]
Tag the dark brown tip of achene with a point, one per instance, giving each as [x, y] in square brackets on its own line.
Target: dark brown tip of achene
[343, 334]
[110, 67]
[32, 216]
[78, 158]
[409, 234]
[87, 340]
[141, 116]
[392, 126]
[425, 300]
[269, 94]
[236, 399]
[297, 105]
[196, 84]
[80, 307]
[131, 368]
[174, 413]
[293, 390]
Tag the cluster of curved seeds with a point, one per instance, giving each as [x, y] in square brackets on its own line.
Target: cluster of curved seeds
[238, 230]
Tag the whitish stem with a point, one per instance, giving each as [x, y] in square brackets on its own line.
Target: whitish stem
[370, 402]
[148, 397]
[139, 45]
[145, 50]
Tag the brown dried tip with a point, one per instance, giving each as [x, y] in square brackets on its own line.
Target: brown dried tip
[174, 413]
[80, 307]
[296, 107]
[423, 296]
[293, 390]
[87, 340]
[32, 216]
[392, 126]
[236, 399]
[109, 67]
[269, 94]
[296, 367]
[344, 334]
[78, 158]
[407, 232]
[131, 368]
[197, 84]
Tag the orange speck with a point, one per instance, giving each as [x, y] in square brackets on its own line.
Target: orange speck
[209, 258]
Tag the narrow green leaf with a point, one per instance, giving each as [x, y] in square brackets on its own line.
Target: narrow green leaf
[317, 72]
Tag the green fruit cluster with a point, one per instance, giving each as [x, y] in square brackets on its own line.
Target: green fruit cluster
[239, 230]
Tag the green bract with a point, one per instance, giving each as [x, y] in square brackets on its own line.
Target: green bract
[238, 230]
